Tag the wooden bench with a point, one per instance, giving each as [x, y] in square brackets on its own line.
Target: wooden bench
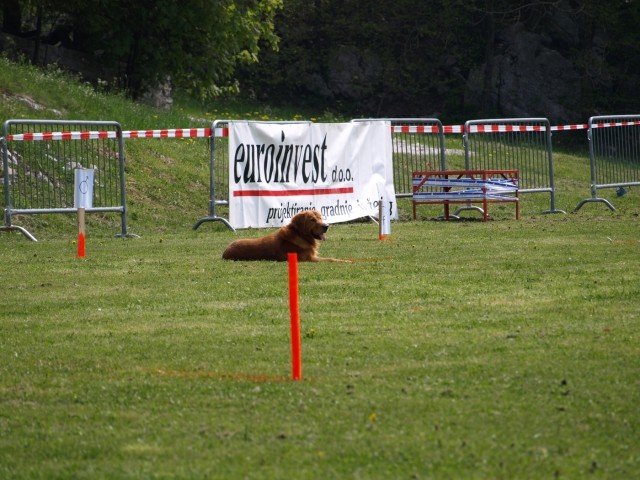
[447, 187]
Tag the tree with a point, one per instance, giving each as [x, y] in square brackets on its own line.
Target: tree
[197, 43]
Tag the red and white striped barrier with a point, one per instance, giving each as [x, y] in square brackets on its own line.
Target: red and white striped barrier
[222, 132]
[426, 128]
[106, 134]
[557, 128]
[168, 133]
[506, 128]
[92, 135]
[615, 124]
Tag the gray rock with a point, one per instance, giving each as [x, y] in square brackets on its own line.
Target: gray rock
[526, 79]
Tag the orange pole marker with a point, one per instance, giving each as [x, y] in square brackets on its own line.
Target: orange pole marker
[81, 233]
[81, 245]
[296, 360]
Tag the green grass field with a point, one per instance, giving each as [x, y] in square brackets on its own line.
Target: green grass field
[452, 350]
[499, 350]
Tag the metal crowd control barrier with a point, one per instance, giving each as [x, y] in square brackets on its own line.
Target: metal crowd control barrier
[417, 144]
[218, 173]
[522, 144]
[219, 170]
[39, 159]
[614, 152]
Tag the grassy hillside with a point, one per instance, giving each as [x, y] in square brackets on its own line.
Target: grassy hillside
[167, 180]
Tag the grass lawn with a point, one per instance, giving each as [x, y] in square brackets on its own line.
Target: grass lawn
[451, 350]
[499, 350]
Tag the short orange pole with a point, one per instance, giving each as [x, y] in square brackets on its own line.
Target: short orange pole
[296, 360]
[81, 238]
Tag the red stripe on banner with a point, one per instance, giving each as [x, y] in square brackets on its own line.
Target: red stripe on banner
[292, 193]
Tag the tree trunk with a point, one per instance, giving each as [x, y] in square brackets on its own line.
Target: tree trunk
[489, 54]
[36, 43]
[12, 17]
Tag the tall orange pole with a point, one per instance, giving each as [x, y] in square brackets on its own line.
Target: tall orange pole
[296, 360]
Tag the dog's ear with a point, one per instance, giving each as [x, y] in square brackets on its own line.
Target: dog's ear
[309, 221]
[299, 223]
[315, 217]
[306, 221]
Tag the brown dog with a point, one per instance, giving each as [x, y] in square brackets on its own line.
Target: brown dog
[301, 236]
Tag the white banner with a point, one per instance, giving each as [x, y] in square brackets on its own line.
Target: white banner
[277, 170]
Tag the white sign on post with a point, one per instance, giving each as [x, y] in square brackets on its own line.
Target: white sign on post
[83, 193]
[278, 170]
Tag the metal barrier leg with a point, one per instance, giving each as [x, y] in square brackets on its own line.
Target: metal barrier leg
[552, 207]
[213, 219]
[595, 199]
[7, 227]
[456, 214]
[124, 229]
[126, 235]
[594, 196]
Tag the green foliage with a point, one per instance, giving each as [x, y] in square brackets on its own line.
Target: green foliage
[196, 43]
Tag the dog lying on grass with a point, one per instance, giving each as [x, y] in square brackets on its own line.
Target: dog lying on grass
[300, 236]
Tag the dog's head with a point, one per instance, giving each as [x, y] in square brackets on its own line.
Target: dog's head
[310, 223]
